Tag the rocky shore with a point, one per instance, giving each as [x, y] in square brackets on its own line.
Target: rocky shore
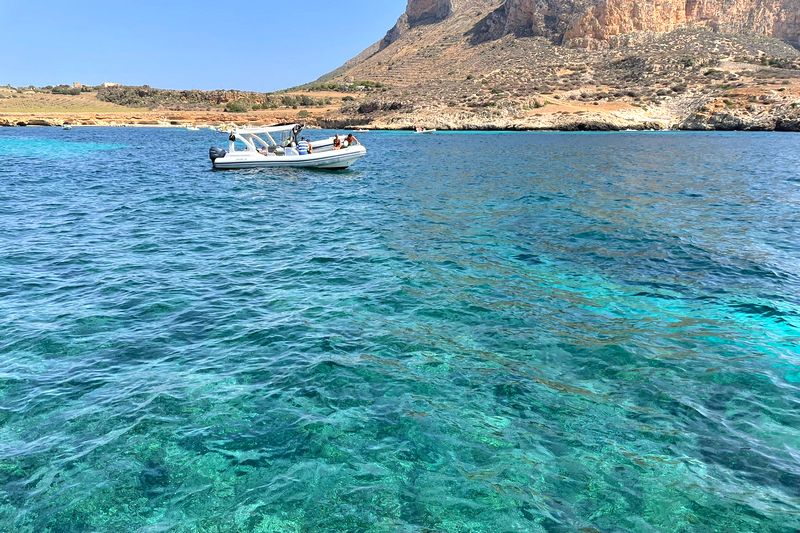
[153, 119]
[694, 115]
[691, 114]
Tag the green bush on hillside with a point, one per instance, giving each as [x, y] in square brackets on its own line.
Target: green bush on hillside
[66, 89]
[236, 107]
[231, 101]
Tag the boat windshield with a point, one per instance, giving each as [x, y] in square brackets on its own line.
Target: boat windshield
[263, 139]
[266, 137]
[283, 138]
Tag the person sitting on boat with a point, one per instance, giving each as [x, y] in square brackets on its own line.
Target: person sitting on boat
[351, 140]
[337, 142]
[304, 147]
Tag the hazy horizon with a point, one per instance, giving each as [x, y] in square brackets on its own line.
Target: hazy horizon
[180, 46]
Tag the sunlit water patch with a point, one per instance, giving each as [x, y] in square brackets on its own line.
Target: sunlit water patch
[35, 147]
[494, 332]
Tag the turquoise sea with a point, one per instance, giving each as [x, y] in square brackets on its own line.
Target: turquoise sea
[538, 332]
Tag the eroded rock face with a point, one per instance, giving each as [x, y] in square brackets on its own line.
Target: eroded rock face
[418, 12]
[428, 11]
[584, 22]
[608, 18]
[542, 18]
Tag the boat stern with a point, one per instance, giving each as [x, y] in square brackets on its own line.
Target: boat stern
[215, 153]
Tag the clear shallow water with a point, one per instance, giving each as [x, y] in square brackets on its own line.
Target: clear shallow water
[504, 332]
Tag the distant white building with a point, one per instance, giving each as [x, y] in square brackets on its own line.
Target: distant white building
[110, 84]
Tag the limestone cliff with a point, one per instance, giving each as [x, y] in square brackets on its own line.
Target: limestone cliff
[419, 12]
[530, 18]
[426, 11]
[609, 18]
[594, 22]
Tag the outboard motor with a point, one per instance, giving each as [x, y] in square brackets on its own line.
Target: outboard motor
[215, 153]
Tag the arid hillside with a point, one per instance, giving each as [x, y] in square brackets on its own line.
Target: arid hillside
[582, 64]
[146, 106]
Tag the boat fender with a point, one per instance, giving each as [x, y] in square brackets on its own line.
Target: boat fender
[232, 137]
[215, 153]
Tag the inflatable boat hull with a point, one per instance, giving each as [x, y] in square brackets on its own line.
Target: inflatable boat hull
[327, 159]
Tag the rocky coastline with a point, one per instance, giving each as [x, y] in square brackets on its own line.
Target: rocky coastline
[785, 118]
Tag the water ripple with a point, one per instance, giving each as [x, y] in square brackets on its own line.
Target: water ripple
[591, 332]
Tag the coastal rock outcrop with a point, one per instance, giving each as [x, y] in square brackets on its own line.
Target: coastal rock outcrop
[788, 123]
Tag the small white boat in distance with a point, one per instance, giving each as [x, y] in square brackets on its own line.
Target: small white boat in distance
[66, 127]
[192, 128]
[277, 146]
[423, 130]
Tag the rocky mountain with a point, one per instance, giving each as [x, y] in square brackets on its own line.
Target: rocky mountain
[588, 23]
[730, 64]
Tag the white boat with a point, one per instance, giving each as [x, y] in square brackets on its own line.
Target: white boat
[277, 146]
[192, 128]
[423, 130]
[66, 127]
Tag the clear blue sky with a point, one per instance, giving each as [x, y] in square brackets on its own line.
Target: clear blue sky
[184, 44]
